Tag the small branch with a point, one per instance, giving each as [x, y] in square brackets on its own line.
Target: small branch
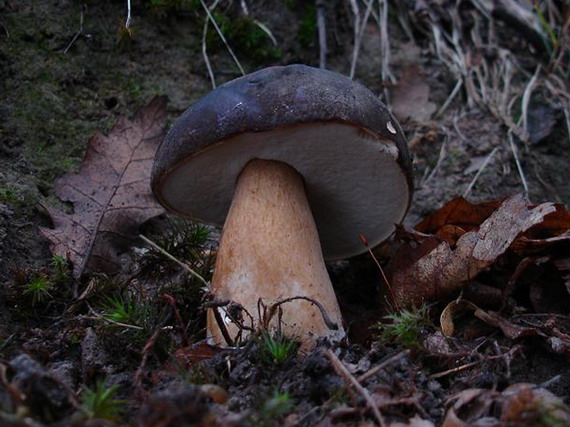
[341, 370]
[219, 31]
[526, 98]
[383, 364]
[330, 324]
[514, 149]
[483, 166]
[78, 33]
[392, 294]
[176, 260]
[322, 27]
[450, 98]
[128, 20]
[454, 370]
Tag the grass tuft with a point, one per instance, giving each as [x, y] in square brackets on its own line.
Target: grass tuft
[405, 326]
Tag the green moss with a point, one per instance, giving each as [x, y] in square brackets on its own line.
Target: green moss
[307, 26]
[245, 36]
[405, 326]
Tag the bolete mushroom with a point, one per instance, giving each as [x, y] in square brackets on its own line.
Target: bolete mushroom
[298, 162]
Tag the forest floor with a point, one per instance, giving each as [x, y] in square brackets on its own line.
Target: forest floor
[483, 99]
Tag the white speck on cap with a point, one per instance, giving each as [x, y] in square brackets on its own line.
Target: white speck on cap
[391, 128]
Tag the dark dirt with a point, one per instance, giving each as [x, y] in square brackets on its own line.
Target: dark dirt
[67, 69]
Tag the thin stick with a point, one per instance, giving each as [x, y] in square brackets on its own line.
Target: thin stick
[359, 27]
[526, 97]
[176, 260]
[442, 152]
[78, 33]
[385, 44]
[453, 370]
[219, 31]
[450, 98]
[347, 376]
[205, 54]
[517, 161]
[128, 21]
[483, 166]
[322, 27]
[383, 364]
[356, 12]
[362, 238]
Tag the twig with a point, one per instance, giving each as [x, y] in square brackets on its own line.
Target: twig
[273, 308]
[483, 166]
[205, 54]
[145, 354]
[454, 370]
[359, 28]
[386, 74]
[172, 302]
[176, 260]
[364, 241]
[347, 376]
[78, 33]
[219, 31]
[526, 98]
[128, 20]
[97, 316]
[450, 98]
[322, 27]
[517, 161]
[383, 364]
[442, 152]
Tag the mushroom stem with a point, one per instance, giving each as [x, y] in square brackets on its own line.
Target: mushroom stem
[270, 249]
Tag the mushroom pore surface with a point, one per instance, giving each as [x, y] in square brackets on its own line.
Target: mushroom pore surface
[353, 181]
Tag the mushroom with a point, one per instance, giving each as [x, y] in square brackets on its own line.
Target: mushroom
[298, 162]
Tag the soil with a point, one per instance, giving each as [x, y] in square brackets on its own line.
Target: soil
[69, 69]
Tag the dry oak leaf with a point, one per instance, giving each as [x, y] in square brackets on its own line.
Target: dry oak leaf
[442, 269]
[111, 194]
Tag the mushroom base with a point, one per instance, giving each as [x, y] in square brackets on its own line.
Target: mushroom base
[270, 250]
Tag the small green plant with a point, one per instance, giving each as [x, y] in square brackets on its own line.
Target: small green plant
[60, 269]
[273, 409]
[125, 310]
[99, 402]
[245, 35]
[38, 288]
[276, 349]
[405, 327]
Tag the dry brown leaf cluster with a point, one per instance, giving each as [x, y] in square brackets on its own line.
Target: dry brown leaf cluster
[455, 244]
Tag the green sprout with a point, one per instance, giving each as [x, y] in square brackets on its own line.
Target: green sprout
[126, 311]
[405, 327]
[99, 402]
[38, 288]
[277, 348]
[60, 269]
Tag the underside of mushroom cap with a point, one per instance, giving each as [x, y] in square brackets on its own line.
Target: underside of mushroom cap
[333, 131]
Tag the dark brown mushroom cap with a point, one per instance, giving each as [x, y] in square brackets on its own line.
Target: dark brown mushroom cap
[284, 106]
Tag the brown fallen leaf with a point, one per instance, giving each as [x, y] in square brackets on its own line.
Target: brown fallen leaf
[527, 404]
[459, 214]
[444, 269]
[110, 195]
[520, 404]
